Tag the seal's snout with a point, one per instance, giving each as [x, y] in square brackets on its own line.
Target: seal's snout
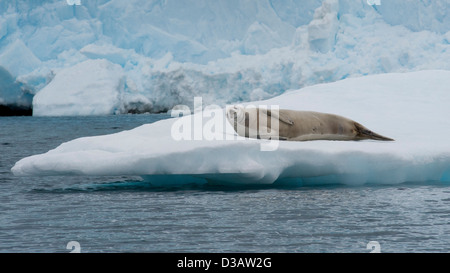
[364, 133]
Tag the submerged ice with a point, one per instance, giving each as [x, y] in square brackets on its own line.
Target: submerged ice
[410, 107]
[157, 54]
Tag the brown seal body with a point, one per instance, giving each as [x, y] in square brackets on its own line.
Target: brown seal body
[296, 125]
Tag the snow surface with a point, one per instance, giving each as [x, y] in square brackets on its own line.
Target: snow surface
[226, 51]
[410, 107]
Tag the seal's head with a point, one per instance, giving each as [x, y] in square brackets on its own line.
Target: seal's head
[236, 114]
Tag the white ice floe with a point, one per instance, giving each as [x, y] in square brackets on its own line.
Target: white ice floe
[410, 107]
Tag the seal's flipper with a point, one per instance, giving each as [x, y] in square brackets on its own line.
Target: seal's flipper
[280, 116]
[364, 133]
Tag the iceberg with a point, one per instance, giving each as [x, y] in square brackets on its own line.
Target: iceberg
[97, 94]
[410, 107]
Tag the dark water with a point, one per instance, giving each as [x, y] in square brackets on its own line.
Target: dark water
[124, 214]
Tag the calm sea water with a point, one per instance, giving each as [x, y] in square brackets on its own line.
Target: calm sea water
[124, 214]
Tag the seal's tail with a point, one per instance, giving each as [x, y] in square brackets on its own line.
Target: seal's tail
[364, 133]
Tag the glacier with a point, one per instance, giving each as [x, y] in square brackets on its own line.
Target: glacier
[226, 51]
[410, 107]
